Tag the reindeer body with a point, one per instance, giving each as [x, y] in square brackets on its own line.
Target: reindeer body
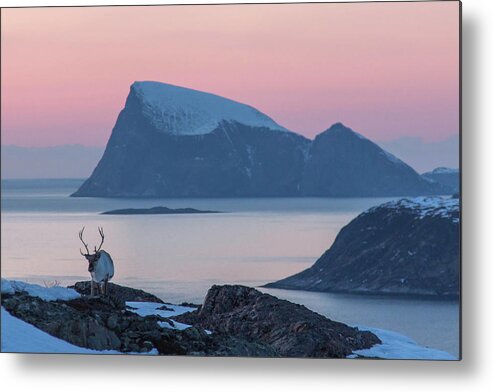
[101, 265]
[102, 272]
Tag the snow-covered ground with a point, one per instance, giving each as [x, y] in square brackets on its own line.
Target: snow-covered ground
[444, 207]
[153, 308]
[397, 346]
[19, 336]
[35, 290]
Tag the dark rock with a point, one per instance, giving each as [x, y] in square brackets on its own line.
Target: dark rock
[244, 322]
[164, 307]
[290, 330]
[118, 293]
[406, 247]
[96, 324]
[190, 305]
[67, 323]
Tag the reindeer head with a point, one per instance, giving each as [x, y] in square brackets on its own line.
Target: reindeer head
[92, 258]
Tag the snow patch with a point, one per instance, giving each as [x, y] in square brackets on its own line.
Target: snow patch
[34, 290]
[153, 309]
[144, 309]
[21, 337]
[183, 111]
[397, 346]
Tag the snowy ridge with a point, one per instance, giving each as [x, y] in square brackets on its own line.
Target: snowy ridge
[183, 111]
[425, 207]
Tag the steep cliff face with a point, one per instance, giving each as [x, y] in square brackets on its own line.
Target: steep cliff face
[410, 246]
[170, 141]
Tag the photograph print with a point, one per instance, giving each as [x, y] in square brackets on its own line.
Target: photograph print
[241, 180]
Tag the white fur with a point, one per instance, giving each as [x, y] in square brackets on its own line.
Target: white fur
[104, 269]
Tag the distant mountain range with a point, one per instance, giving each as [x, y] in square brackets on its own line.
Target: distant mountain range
[172, 141]
[446, 176]
[66, 161]
[424, 155]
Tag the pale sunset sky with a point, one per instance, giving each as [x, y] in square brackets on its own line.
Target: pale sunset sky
[387, 70]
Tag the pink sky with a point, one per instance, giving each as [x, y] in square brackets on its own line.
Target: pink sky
[385, 69]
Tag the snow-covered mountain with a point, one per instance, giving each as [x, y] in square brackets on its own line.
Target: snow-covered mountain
[171, 141]
[183, 111]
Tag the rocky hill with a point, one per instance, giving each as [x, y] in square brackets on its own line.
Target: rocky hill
[404, 247]
[171, 141]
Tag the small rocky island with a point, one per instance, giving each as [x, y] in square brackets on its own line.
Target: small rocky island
[157, 211]
[403, 247]
[233, 321]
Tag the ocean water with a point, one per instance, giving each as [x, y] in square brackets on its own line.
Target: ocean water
[178, 257]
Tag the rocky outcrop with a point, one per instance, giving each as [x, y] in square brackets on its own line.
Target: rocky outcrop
[175, 142]
[233, 321]
[404, 247]
[119, 293]
[105, 324]
[291, 330]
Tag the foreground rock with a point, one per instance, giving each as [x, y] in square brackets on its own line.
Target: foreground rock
[120, 293]
[106, 324]
[233, 321]
[409, 247]
[291, 330]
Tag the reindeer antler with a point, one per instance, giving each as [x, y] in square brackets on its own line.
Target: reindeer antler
[101, 233]
[80, 237]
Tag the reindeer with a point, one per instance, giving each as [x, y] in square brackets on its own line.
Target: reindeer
[100, 265]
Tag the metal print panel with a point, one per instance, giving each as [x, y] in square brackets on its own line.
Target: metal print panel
[263, 180]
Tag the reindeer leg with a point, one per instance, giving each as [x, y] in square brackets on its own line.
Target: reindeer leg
[92, 288]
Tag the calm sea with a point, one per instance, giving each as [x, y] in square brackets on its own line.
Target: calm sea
[178, 257]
